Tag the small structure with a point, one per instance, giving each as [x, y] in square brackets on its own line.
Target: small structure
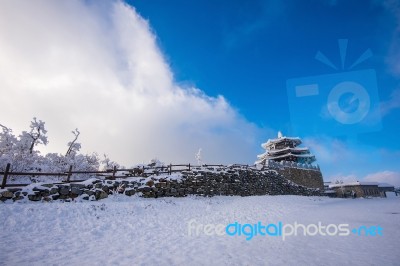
[285, 149]
[385, 187]
[360, 189]
[284, 155]
[328, 191]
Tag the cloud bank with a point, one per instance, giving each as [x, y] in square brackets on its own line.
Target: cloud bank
[352, 161]
[389, 177]
[95, 65]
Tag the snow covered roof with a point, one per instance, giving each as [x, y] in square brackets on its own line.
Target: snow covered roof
[361, 183]
[292, 154]
[289, 149]
[260, 156]
[272, 152]
[279, 140]
[355, 183]
[385, 185]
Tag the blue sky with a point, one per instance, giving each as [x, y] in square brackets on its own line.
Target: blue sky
[247, 51]
[147, 79]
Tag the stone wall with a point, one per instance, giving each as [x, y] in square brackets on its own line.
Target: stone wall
[302, 174]
[311, 178]
[230, 181]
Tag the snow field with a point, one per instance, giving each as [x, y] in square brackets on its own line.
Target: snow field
[124, 230]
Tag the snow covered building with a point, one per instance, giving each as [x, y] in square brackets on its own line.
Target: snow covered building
[285, 149]
[284, 155]
[361, 189]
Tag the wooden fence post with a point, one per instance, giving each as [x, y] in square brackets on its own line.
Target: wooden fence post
[114, 171]
[170, 169]
[3, 184]
[189, 166]
[69, 173]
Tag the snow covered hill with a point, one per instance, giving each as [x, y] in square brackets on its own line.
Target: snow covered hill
[124, 230]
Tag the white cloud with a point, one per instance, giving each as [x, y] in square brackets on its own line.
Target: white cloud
[96, 66]
[393, 103]
[329, 150]
[350, 160]
[389, 177]
[393, 58]
[343, 177]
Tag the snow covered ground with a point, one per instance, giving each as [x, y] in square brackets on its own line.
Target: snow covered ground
[125, 230]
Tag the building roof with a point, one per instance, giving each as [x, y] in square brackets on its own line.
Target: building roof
[280, 139]
[292, 154]
[279, 153]
[385, 185]
[354, 183]
[288, 150]
[360, 183]
[271, 142]
[265, 155]
[294, 150]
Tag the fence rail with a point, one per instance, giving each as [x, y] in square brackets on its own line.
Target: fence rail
[139, 171]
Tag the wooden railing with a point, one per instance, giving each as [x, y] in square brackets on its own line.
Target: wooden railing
[140, 171]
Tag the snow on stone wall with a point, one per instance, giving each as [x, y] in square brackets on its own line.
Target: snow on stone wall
[199, 181]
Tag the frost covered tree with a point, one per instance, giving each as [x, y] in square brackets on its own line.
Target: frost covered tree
[25, 157]
[7, 140]
[198, 157]
[155, 162]
[108, 164]
[20, 152]
[36, 135]
[7, 144]
[73, 146]
[86, 162]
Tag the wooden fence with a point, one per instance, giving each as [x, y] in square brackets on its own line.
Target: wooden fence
[110, 173]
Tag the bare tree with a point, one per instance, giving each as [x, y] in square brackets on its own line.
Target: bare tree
[73, 146]
[5, 128]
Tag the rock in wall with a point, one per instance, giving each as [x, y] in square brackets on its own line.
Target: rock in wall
[211, 181]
